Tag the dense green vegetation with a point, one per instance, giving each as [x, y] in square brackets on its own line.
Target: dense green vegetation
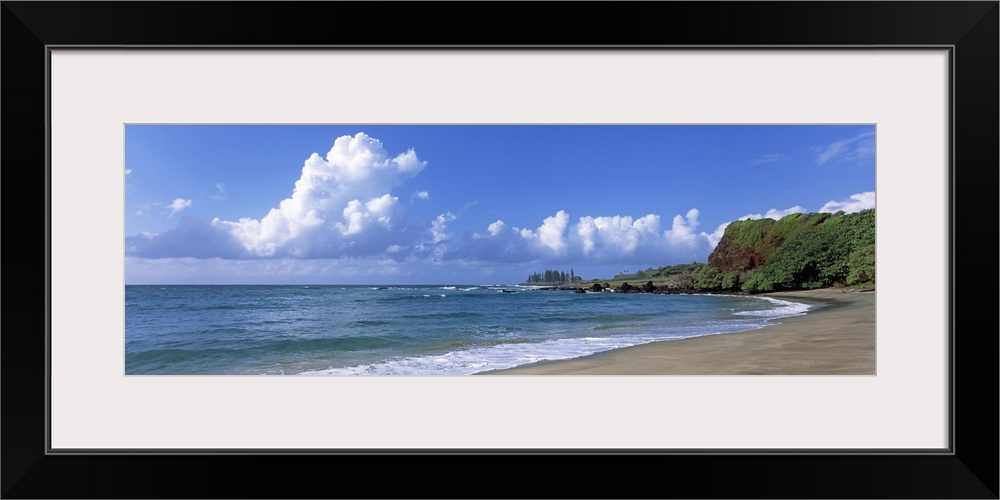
[796, 252]
[680, 276]
[835, 251]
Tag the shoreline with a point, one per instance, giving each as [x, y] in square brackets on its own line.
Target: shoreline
[837, 337]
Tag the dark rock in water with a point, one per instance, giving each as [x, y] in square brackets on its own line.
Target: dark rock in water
[596, 287]
[507, 291]
[648, 287]
[625, 288]
[580, 290]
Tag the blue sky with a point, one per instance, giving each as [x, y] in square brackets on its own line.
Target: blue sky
[465, 204]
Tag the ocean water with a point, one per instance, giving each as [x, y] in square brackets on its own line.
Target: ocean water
[407, 330]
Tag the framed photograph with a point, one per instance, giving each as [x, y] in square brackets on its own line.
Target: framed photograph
[255, 183]
[428, 261]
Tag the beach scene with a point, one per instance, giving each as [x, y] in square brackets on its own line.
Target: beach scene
[416, 250]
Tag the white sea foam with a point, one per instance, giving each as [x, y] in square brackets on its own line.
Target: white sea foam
[784, 309]
[498, 357]
[508, 355]
[469, 361]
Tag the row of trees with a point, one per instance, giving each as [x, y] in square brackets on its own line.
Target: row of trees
[553, 276]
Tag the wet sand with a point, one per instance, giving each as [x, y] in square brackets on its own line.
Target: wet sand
[836, 337]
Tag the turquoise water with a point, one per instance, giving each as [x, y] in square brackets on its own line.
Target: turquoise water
[407, 330]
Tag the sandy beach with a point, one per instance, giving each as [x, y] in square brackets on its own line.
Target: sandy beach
[836, 337]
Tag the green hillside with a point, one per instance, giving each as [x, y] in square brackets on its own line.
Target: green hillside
[796, 252]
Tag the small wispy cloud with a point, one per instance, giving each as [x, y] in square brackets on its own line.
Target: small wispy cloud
[144, 208]
[220, 192]
[770, 158]
[857, 148]
[422, 195]
[128, 171]
[177, 205]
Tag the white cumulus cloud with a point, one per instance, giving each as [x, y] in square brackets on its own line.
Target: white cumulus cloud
[439, 226]
[594, 239]
[550, 233]
[775, 214]
[856, 203]
[616, 235]
[716, 236]
[496, 227]
[338, 199]
[177, 205]
[358, 216]
[422, 195]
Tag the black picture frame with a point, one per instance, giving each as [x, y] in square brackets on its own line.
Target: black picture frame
[969, 470]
